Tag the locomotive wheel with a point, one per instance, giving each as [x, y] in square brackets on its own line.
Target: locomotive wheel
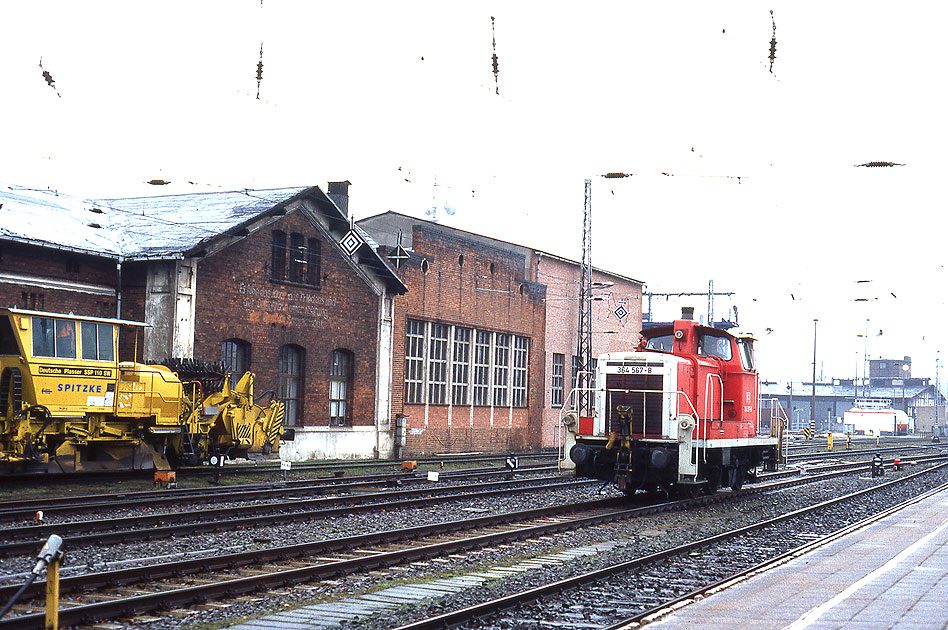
[736, 480]
[714, 480]
[690, 490]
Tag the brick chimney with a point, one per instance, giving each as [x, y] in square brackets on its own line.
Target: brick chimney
[339, 193]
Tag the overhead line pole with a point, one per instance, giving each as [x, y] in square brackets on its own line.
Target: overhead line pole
[584, 328]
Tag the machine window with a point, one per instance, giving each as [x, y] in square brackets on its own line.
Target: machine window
[97, 341]
[8, 343]
[54, 338]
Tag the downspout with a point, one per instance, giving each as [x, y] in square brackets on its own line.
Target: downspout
[118, 288]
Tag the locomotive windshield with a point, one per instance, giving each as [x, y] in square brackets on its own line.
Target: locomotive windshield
[714, 346]
[662, 343]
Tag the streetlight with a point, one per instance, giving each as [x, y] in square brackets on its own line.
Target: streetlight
[905, 368]
[813, 395]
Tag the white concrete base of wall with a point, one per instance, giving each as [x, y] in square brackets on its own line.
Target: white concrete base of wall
[337, 443]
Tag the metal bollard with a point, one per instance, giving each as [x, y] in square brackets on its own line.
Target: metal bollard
[48, 559]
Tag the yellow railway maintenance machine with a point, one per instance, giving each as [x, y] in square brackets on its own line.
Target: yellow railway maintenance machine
[68, 403]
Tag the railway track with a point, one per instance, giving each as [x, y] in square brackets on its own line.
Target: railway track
[185, 582]
[270, 467]
[625, 593]
[26, 539]
[13, 510]
[907, 449]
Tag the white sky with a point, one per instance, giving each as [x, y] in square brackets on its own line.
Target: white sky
[380, 92]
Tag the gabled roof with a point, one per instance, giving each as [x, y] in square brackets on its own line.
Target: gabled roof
[501, 244]
[169, 226]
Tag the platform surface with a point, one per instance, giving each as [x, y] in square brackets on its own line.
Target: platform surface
[890, 574]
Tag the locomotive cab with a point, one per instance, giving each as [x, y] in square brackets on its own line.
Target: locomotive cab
[680, 414]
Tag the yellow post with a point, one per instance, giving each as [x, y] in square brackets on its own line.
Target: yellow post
[52, 595]
[829, 441]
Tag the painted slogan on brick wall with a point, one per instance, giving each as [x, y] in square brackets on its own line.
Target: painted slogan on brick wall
[300, 307]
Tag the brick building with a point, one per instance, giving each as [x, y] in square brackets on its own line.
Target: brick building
[257, 279]
[616, 316]
[483, 334]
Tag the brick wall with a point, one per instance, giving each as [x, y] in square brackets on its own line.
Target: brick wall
[610, 333]
[452, 280]
[28, 261]
[236, 298]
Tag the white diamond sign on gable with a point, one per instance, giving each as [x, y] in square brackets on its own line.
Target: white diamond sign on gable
[351, 242]
[621, 312]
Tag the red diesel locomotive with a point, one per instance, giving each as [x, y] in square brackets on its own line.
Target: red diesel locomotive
[680, 414]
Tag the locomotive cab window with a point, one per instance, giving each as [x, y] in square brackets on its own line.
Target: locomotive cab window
[713, 346]
[54, 338]
[662, 343]
[746, 349]
[98, 341]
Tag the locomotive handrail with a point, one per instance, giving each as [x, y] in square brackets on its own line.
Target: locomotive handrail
[568, 408]
[709, 387]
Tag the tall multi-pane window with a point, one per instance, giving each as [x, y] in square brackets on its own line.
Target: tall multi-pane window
[278, 255]
[235, 354]
[438, 364]
[518, 389]
[297, 258]
[415, 361]
[556, 386]
[460, 365]
[482, 368]
[340, 375]
[501, 368]
[464, 366]
[290, 388]
[313, 261]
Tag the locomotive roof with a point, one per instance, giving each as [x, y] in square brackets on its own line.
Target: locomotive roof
[667, 329]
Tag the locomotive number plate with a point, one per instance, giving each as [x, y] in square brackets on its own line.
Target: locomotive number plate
[637, 369]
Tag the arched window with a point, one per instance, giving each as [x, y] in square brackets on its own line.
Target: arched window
[290, 389]
[340, 379]
[235, 354]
